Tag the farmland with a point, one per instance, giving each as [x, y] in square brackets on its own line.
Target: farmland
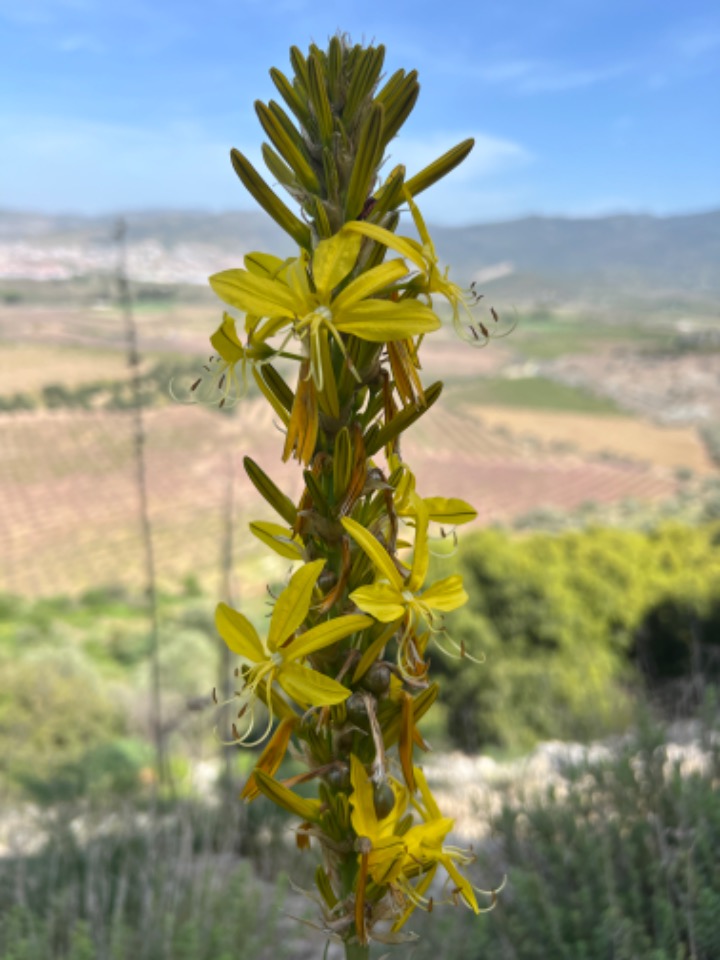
[512, 444]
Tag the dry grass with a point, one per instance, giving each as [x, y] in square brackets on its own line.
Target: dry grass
[626, 437]
[26, 369]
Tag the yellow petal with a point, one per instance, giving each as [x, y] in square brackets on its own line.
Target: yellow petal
[419, 222]
[410, 249]
[368, 284]
[256, 295]
[238, 633]
[445, 595]
[382, 320]
[265, 265]
[279, 539]
[226, 341]
[292, 606]
[462, 883]
[381, 600]
[421, 554]
[333, 260]
[309, 688]
[424, 840]
[324, 634]
[385, 862]
[297, 281]
[379, 556]
[450, 510]
[363, 816]
[433, 811]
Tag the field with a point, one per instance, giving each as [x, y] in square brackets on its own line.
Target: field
[628, 438]
[513, 441]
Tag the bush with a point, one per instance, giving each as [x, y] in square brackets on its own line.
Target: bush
[573, 626]
[624, 867]
[53, 711]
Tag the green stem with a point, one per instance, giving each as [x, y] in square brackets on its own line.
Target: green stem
[356, 951]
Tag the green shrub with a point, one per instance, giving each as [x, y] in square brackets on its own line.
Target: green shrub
[573, 626]
[625, 867]
[53, 710]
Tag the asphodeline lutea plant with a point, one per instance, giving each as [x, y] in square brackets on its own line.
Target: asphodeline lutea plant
[331, 337]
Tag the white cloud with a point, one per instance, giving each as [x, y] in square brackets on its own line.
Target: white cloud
[530, 76]
[489, 155]
[474, 191]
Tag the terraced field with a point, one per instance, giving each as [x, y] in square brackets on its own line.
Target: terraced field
[70, 505]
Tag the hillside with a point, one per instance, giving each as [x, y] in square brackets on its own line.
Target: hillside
[541, 258]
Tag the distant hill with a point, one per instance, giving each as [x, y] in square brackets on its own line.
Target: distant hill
[539, 257]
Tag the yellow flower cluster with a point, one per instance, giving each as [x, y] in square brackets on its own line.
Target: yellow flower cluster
[342, 673]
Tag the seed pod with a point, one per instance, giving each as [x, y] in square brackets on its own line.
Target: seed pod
[357, 711]
[377, 679]
[383, 799]
[338, 776]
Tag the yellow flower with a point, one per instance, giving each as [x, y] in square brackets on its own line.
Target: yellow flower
[431, 278]
[305, 297]
[393, 597]
[387, 851]
[278, 660]
[447, 510]
[393, 859]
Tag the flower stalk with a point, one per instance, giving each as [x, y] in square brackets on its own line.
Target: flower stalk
[342, 677]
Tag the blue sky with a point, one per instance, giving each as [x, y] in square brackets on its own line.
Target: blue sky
[579, 107]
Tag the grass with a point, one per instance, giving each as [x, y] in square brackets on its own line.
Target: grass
[538, 393]
[187, 883]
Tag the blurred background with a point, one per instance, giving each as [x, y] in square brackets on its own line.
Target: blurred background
[581, 758]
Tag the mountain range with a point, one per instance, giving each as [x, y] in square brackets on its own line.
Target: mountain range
[546, 257]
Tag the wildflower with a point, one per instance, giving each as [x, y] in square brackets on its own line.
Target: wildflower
[278, 660]
[305, 297]
[393, 597]
[448, 510]
[431, 278]
[393, 854]
[219, 382]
